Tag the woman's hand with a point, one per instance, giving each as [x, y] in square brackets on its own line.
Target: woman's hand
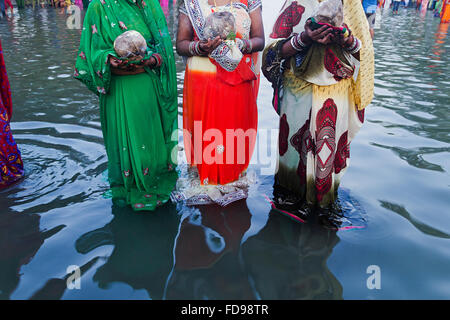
[150, 62]
[208, 46]
[323, 35]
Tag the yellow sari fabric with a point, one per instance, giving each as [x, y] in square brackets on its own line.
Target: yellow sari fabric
[357, 22]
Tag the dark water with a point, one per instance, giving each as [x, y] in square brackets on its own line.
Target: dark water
[395, 192]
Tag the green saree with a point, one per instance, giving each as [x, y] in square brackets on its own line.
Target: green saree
[138, 112]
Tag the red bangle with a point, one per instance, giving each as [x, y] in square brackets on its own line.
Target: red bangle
[199, 49]
[158, 59]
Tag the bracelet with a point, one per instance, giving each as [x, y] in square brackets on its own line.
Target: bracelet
[192, 45]
[300, 42]
[297, 43]
[352, 45]
[355, 46]
[158, 59]
[240, 44]
[199, 50]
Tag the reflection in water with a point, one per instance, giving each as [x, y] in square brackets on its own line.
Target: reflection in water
[288, 260]
[284, 260]
[414, 156]
[142, 255]
[207, 254]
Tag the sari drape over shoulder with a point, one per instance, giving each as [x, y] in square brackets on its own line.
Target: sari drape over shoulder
[11, 166]
[320, 94]
[138, 112]
[219, 112]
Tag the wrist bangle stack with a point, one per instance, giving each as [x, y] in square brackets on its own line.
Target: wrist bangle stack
[158, 59]
[355, 46]
[297, 43]
[240, 44]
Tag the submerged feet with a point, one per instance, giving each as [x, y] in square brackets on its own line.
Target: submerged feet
[288, 203]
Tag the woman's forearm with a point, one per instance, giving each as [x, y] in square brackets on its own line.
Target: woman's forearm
[183, 48]
[258, 44]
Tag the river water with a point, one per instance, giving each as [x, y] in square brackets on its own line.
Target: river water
[395, 194]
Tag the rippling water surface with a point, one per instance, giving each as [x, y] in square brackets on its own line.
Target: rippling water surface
[395, 193]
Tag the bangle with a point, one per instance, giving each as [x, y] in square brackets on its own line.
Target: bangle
[300, 42]
[297, 43]
[352, 45]
[248, 46]
[244, 45]
[293, 44]
[355, 46]
[194, 49]
[192, 45]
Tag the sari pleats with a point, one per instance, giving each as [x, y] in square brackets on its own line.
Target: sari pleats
[140, 168]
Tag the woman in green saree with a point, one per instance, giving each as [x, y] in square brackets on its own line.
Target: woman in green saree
[138, 106]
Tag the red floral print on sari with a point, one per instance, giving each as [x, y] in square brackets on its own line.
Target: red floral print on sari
[286, 22]
[342, 153]
[325, 147]
[302, 142]
[335, 66]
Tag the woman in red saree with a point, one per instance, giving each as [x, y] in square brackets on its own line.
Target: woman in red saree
[11, 166]
[219, 103]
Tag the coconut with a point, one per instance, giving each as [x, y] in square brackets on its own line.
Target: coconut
[130, 45]
[219, 24]
[331, 12]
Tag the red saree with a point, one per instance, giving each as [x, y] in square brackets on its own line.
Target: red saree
[220, 112]
[11, 166]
